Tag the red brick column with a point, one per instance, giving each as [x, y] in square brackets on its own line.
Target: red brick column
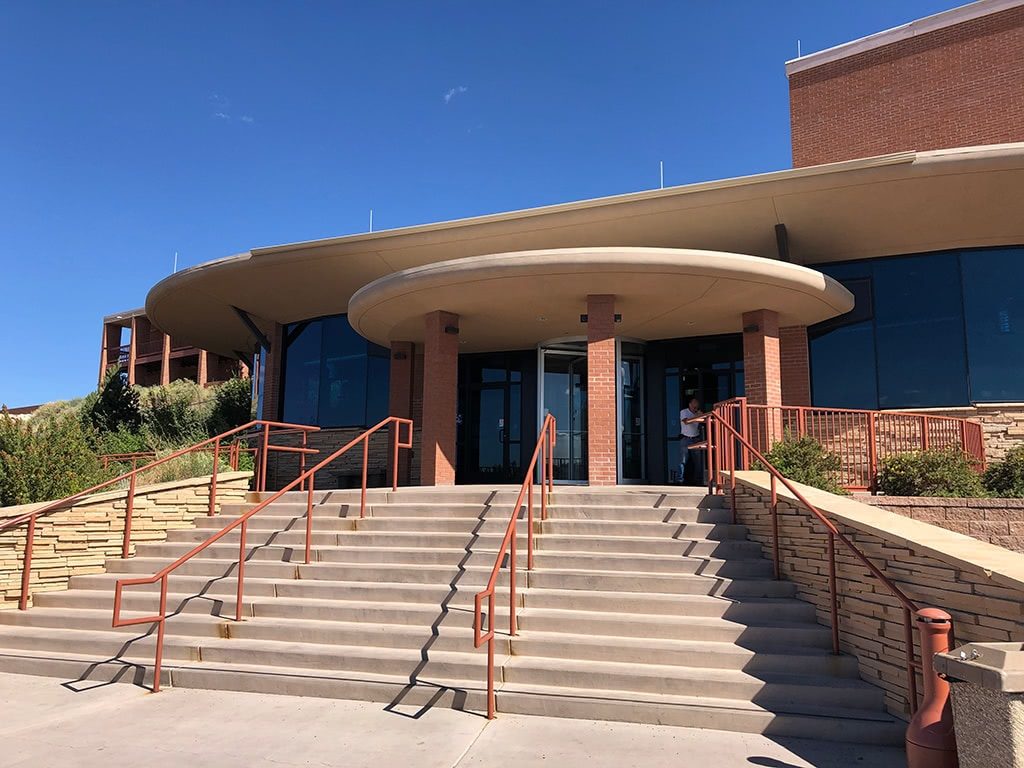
[272, 373]
[400, 382]
[165, 361]
[203, 368]
[794, 360]
[601, 406]
[440, 398]
[762, 376]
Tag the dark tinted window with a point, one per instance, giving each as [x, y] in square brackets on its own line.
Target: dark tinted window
[919, 332]
[843, 367]
[333, 377]
[993, 283]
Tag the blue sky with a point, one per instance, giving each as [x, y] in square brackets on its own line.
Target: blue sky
[131, 130]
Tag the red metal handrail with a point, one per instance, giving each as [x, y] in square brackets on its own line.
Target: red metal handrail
[860, 439]
[235, 450]
[724, 455]
[545, 450]
[241, 522]
[29, 518]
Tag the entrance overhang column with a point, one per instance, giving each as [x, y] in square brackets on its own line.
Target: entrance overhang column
[440, 397]
[795, 361]
[762, 376]
[400, 383]
[601, 401]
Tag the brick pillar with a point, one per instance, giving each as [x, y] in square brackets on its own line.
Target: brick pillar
[133, 350]
[794, 361]
[165, 361]
[601, 405]
[440, 398]
[762, 376]
[403, 359]
[271, 374]
[203, 368]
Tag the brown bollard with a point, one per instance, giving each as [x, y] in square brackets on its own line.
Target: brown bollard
[930, 739]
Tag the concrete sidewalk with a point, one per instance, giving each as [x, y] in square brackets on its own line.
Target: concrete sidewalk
[43, 723]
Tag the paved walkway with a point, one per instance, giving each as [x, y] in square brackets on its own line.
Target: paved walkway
[44, 724]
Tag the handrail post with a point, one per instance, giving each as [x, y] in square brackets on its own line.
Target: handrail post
[26, 563]
[833, 592]
[309, 515]
[529, 523]
[366, 461]
[775, 529]
[709, 434]
[873, 451]
[241, 570]
[543, 482]
[396, 428]
[745, 429]
[491, 704]
[213, 479]
[129, 510]
[924, 433]
[159, 658]
[552, 435]
[263, 458]
[512, 577]
[302, 459]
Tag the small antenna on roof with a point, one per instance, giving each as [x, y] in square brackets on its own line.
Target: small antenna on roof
[371, 219]
[661, 172]
[798, 54]
[175, 261]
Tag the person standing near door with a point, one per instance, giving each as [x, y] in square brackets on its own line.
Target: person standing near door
[689, 433]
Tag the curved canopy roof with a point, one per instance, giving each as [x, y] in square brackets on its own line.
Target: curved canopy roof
[515, 300]
[902, 203]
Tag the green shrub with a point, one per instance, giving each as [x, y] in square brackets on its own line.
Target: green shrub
[1005, 478]
[45, 459]
[930, 473]
[112, 407]
[175, 415]
[232, 406]
[805, 460]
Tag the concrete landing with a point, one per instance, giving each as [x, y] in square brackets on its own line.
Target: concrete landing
[43, 723]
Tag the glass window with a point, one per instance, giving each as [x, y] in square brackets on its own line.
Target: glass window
[332, 376]
[919, 332]
[843, 367]
[993, 285]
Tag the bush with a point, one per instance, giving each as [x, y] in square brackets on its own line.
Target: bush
[175, 415]
[930, 473]
[1005, 479]
[232, 406]
[805, 460]
[45, 459]
[114, 406]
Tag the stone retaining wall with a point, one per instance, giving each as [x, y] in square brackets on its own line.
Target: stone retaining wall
[980, 584]
[997, 521]
[79, 539]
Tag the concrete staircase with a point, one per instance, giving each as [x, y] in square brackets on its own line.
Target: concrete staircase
[645, 605]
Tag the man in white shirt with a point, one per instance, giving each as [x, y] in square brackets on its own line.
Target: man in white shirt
[689, 433]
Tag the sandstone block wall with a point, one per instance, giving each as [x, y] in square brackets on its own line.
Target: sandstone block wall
[981, 585]
[79, 539]
[997, 521]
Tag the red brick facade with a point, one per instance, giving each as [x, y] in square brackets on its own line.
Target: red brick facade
[956, 86]
[272, 374]
[440, 398]
[601, 400]
[761, 363]
[795, 365]
[401, 378]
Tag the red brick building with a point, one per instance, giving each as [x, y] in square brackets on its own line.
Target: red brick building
[948, 80]
[884, 271]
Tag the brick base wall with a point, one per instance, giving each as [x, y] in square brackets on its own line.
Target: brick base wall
[78, 540]
[344, 472]
[980, 586]
[997, 521]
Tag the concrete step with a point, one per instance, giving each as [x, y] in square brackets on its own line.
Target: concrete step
[669, 530]
[618, 581]
[830, 723]
[777, 690]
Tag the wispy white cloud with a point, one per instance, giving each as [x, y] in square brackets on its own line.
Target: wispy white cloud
[247, 119]
[221, 116]
[220, 105]
[451, 93]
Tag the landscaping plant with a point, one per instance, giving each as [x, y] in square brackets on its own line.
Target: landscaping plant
[930, 473]
[805, 460]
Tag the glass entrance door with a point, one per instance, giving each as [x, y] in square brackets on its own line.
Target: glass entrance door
[630, 385]
[490, 419]
[564, 395]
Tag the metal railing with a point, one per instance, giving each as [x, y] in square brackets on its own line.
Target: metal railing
[211, 445]
[862, 440]
[306, 480]
[727, 452]
[235, 450]
[544, 450]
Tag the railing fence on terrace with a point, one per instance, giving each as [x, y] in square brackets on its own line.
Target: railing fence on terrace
[861, 439]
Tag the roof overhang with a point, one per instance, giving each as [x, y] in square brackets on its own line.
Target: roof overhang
[516, 300]
[907, 202]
